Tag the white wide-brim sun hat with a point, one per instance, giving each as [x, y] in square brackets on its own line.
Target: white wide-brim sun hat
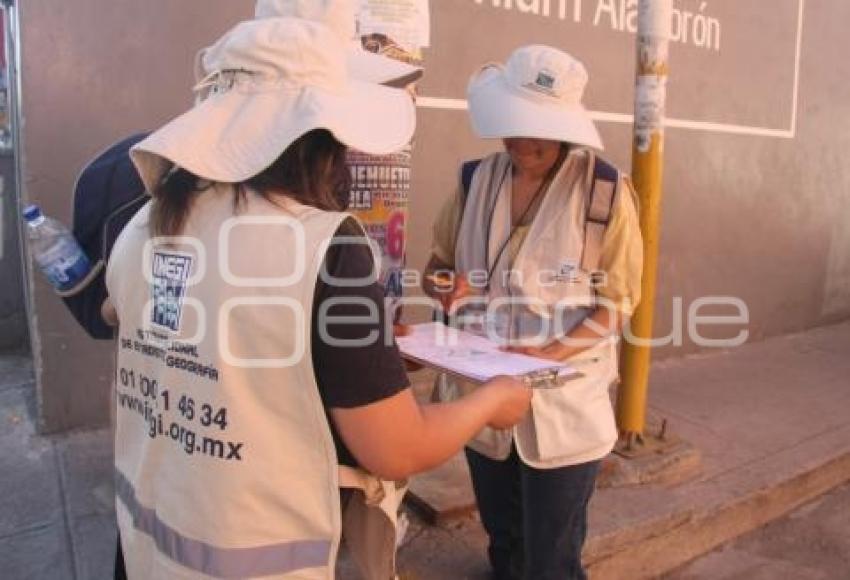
[341, 16]
[270, 82]
[536, 94]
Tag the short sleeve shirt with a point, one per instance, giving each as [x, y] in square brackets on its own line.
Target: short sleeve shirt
[353, 376]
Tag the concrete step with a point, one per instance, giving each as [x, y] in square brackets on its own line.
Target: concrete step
[650, 538]
[656, 540]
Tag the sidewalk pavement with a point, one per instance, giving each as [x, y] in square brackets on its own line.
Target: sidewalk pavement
[771, 419]
[56, 498]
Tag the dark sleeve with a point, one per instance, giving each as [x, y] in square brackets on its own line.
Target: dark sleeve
[353, 375]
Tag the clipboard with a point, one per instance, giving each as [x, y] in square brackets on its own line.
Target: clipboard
[476, 359]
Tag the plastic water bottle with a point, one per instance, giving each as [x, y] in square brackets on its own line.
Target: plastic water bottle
[55, 250]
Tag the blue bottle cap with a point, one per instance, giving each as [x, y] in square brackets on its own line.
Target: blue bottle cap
[32, 212]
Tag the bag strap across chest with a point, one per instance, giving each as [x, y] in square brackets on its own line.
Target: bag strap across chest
[600, 204]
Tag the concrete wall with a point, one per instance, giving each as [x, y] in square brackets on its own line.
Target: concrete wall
[750, 210]
[93, 72]
[755, 205]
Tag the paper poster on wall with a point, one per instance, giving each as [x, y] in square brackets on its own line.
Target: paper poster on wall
[379, 197]
[406, 22]
[5, 121]
[380, 188]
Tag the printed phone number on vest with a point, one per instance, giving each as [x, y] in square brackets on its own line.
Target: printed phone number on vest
[150, 401]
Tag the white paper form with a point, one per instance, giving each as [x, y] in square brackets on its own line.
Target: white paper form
[470, 356]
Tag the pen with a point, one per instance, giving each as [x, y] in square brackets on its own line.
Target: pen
[582, 361]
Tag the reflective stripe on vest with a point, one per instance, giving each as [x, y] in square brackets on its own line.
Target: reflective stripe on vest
[281, 558]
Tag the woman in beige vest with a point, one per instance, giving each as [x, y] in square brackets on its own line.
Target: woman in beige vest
[271, 383]
[540, 248]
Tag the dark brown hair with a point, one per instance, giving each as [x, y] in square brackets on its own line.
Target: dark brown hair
[312, 171]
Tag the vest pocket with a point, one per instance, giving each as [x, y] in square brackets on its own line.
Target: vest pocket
[576, 418]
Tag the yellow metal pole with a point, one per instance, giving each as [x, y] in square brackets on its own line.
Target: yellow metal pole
[647, 167]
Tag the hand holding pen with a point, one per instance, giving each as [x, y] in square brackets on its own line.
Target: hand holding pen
[448, 287]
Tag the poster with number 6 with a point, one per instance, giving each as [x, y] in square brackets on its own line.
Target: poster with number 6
[380, 188]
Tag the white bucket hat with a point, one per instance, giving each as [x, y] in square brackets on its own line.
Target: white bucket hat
[341, 16]
[272, 81]
[537, 93]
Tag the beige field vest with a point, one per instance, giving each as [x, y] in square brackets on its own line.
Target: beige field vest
[224, 461]
[543, 293]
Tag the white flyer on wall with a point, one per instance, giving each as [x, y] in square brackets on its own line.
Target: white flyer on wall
[406, 22]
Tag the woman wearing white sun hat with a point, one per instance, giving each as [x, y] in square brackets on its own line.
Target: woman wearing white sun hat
[555, 229]
[240, 417]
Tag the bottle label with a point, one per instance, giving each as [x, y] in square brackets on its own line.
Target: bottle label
[64, 264]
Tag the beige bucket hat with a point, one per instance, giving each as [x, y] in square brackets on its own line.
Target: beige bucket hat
[270, 82]
[537, 93]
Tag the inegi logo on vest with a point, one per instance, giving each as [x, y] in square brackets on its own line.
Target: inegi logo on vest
[170, 272]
